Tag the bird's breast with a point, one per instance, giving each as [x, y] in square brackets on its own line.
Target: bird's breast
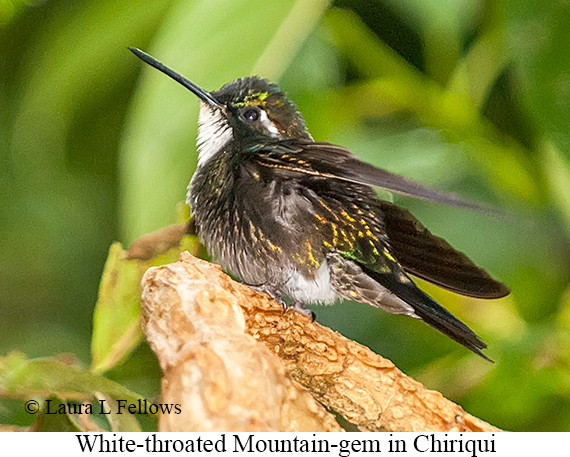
[260, 230]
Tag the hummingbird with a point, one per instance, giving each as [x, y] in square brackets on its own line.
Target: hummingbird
[300, 219]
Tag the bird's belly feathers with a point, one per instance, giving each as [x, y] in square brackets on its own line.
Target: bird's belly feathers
[259, 265]
[316, 289]
[264, 252]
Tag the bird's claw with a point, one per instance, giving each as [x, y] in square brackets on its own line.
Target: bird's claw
[297, 306]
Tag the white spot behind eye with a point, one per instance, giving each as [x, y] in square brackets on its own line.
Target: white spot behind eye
[267, 124]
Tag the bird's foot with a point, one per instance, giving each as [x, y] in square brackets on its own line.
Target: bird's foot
[298, 306]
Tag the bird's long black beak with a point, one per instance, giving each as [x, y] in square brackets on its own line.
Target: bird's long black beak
[202, 94]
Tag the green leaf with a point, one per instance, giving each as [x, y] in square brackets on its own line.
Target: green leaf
[63, 92]
[60, 382]
[9, 10]
[211, 42]
[97, 58]
[443, 26]
[476, 73]
[538, 36]
[119, 420]
[23, 378]
[393, 81]
[57, 415]
[556, 166]
[116, 320]
[55, 422]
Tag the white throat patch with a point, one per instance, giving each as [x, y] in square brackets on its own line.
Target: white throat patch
[214, 133]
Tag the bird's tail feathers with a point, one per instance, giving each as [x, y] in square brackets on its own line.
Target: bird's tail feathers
[431, 312]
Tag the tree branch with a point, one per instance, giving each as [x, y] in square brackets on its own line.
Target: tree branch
[206, 330]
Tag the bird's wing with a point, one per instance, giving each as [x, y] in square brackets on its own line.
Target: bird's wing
[433, 259]
[329, 160]
[363, 263]
[419, 252]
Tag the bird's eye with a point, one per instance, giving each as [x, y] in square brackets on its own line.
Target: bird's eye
[251, 114]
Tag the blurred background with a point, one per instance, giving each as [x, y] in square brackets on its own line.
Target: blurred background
[469, 96]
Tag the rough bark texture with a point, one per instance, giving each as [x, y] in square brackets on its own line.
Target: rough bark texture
[206, 330]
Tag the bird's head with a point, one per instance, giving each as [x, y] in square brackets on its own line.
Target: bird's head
[248, 110]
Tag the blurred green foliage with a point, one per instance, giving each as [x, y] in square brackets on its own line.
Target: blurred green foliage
[471, 96]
